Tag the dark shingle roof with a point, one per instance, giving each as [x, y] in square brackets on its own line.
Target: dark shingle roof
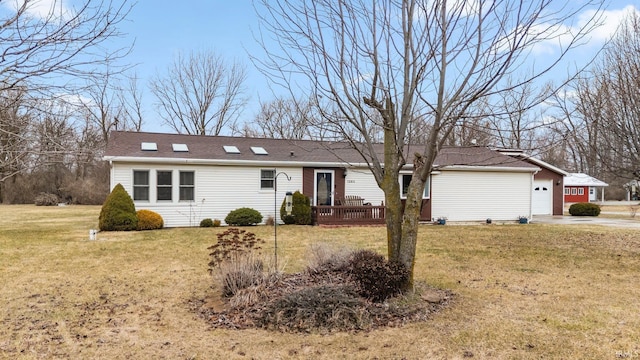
[124, 144]
[477, 156]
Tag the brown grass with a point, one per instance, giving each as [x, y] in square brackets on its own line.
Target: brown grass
[523, 291]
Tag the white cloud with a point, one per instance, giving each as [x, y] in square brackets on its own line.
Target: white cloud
[611, 20]
[560, 36]
[40, 8]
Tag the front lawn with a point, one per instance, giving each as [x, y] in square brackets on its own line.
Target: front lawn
[522, 291]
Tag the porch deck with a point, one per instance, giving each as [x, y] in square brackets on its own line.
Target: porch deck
[347, 215]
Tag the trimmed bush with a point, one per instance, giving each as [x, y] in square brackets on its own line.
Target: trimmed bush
[217, 223]
[118, 212]
[300, 212]
[46, 199]
[243, 217]
[149, 220]
[376, 278]
[206, 223]
[584, 209]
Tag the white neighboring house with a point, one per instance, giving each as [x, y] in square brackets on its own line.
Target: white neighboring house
[186, 178]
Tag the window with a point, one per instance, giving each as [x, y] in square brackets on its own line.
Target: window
[164, 185]
[187, 185]
[267, 179]
[567, 191]
[580, 191]
[574, 191]
[141, 185]
[405, 180]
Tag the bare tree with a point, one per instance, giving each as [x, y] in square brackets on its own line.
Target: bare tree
[200, 94]
[38, 46]
[287, 118]
[600, 112]
[404, 60]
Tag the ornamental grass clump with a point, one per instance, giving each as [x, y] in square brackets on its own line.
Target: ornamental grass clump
[323, 308]
[235, 261]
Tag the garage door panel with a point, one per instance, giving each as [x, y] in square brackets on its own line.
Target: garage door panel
[476, 196]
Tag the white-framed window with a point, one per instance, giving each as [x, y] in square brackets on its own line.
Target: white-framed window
[164, 185]
[574, 191]
[580, 191]
[187, 186]
[405, 180]
[567, 191]
[267, 179]
[141, 185]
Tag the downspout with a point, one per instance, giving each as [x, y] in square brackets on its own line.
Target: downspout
[111, 175]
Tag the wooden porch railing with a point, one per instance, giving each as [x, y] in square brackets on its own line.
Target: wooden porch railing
[347, 215]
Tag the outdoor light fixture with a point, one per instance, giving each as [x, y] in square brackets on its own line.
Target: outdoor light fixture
[288, 203]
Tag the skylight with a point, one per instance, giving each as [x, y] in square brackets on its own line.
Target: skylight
[180, 147]
[230, 149]
[149, 146]
[259, 150]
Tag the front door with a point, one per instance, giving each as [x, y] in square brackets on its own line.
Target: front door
[323, 187]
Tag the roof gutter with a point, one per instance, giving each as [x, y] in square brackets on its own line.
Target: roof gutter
[489, 168]
[224, 162]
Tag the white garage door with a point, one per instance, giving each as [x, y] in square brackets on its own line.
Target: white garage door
[542, 200]
[476, 195]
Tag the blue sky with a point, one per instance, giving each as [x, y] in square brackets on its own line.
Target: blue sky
[162, 28]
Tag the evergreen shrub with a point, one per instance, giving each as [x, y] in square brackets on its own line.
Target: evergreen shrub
[118, 212]
[149, 220]
[300, 212]
[206, 223]
[584, 209]
[243, 217]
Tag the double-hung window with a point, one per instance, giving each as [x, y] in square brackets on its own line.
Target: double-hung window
[141, 185]
[164, 185]
[267, 179]
[187, 185]
[405, 180]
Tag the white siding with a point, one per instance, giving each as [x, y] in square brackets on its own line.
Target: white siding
[476, 196]
[360, 182]
[218, 190]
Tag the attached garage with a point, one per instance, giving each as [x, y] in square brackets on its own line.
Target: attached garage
[479, 194]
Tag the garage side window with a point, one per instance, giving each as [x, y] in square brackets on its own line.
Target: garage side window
[164, 185]
[141, 185]
[187, 186]
[580, 191]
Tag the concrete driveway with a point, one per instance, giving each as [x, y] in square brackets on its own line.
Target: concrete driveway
[589, 220]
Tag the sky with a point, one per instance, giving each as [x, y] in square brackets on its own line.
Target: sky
[160, 29]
